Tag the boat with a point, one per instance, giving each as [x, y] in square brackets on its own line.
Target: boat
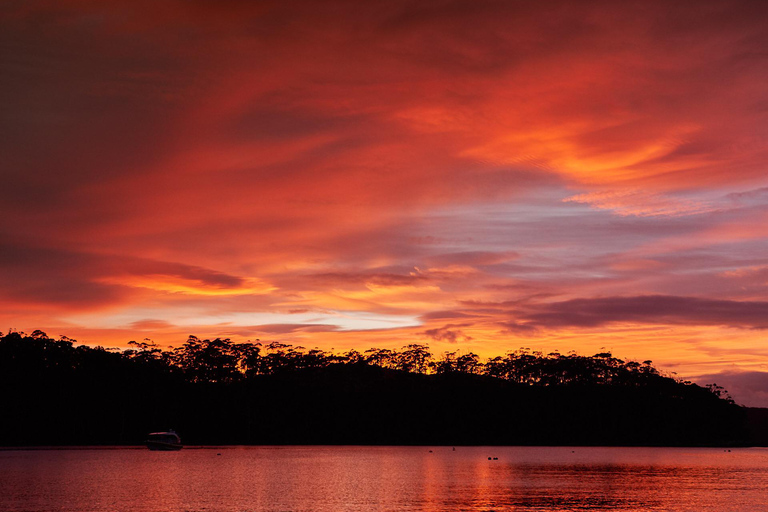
[164, 441]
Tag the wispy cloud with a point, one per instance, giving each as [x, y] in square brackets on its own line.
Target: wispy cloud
[641, 203]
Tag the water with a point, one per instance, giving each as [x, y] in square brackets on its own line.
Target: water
[320, 478]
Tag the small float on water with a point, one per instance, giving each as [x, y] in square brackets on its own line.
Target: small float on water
[164, 441]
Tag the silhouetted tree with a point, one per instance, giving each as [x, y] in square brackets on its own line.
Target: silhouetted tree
[208, 360]
[381, 357]
[413, 358]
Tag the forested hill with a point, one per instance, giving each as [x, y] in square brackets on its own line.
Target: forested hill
[55, 392]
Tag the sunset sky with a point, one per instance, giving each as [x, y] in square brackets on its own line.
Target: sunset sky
[476, 175]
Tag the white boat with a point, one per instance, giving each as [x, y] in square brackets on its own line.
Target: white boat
[164, 441]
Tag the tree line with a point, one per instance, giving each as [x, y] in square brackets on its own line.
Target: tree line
[221, 360]
[215, 391]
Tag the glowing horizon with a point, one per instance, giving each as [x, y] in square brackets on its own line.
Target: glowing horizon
[476, 176]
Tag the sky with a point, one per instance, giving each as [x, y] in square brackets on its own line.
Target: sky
[479, 176]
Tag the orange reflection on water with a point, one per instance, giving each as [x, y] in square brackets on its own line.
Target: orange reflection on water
[429, 479]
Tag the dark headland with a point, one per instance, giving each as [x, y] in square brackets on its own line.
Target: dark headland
[214, 392]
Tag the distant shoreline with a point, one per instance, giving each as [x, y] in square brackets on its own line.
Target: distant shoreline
[218, 393]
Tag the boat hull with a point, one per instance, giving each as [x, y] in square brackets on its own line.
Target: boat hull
[157, 446]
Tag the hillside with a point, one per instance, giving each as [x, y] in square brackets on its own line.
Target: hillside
[217, 392]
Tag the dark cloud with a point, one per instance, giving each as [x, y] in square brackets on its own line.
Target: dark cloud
[203, 276]
[449, 333]
[69, 279]
[650, 309]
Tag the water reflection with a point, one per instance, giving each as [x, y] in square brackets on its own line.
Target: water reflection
[384, 478]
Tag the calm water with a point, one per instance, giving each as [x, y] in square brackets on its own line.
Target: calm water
[384, 478]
